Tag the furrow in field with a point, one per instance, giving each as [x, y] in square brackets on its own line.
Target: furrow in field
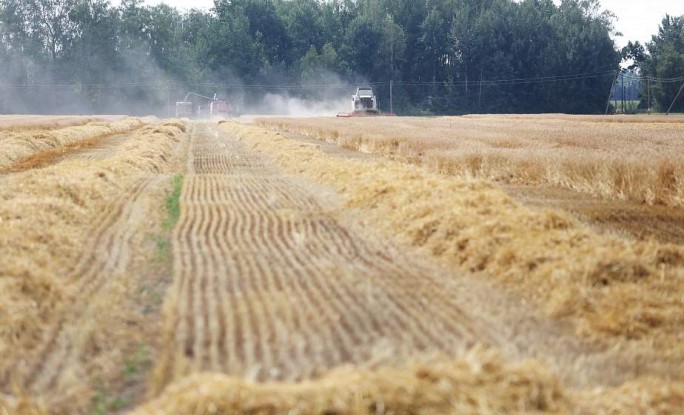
[217, 322]
[405, 295]
[198, 297]
[303, 306]
[334, 325]
[271, 286]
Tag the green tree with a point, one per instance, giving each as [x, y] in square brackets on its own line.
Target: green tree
[235, 53]
[303, 22]
[445, 56]
[665, 61]
[94, 51]
[361, 46]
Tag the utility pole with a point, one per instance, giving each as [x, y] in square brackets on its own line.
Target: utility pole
[168, 99]
[648, 97]
[610, 93]
[675, 100]
[624, 99]
[391, 97]
[466, 79]
[479, 98]
[391, 20]
[325, 82]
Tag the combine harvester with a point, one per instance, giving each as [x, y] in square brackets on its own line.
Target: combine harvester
[364, 104]
[218, 107]
[184, 109]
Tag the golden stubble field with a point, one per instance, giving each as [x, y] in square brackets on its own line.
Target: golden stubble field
[192, 267]
[626, 158]
[599, 277]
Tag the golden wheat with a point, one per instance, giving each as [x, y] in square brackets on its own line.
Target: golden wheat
[18, 123]
[639, 159]
[479, 382]
[610, 287]
[239, 214]
[45, 217]
[19, 145]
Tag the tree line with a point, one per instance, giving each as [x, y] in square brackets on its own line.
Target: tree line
[439, 56]
[660, 66]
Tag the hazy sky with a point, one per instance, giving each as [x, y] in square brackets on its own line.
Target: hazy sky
[637, 19]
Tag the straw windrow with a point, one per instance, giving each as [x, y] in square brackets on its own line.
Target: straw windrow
[22, 144]
[47, 218]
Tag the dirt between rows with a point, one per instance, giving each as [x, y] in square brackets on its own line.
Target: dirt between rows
[98, 147]
[629, 219]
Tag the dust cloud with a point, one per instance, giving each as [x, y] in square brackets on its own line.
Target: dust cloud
[277, 104]
[139, 87]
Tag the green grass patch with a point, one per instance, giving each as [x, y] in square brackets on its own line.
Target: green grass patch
[163, 248]
[137, 362]
[105, 404]
[173, 203]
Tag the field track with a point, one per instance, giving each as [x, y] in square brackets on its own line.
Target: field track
[93, 148]
[32, 122]
[271, 286]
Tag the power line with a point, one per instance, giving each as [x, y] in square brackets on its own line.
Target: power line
[298, 87]
[517, 81]
[164, 85]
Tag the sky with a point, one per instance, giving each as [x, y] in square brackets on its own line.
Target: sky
[636, 19]
[639, 19]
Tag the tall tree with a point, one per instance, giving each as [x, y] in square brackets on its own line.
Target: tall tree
[444, 56]
[665, 61]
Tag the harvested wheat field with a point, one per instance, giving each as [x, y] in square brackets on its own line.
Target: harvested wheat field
[620, 174]
[413, 266]
[32, 122]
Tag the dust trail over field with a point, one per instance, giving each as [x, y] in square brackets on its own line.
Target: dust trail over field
[278, 104]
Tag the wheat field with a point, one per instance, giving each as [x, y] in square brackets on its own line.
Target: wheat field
[626, 158]
[30, 122]
[22, 143]
[231, 268]
[60, 301]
